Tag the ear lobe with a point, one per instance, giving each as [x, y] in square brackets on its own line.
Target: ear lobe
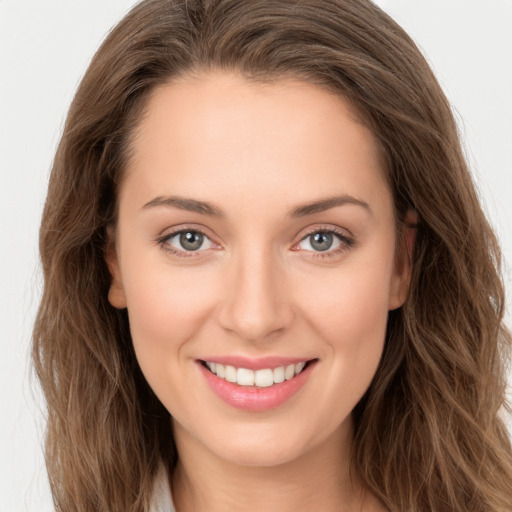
[401, 279]
[116, 295]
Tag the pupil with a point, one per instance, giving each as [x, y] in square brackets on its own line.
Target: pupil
[191, 240]
[321, 241]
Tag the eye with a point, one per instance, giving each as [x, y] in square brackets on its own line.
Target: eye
[325, 242]
[186, 241]
[320, 241]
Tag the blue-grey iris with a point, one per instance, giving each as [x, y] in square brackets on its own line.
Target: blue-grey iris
[191, 240]
[321, 241]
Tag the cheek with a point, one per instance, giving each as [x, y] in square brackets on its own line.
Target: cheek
[166, 307]
[349, 314]
[351, 304]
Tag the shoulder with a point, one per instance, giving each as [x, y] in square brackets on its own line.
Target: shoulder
[162, 500]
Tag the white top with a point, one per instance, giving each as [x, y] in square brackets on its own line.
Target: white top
[162, 499]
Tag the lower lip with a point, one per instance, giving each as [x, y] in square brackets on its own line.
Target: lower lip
[251, 398]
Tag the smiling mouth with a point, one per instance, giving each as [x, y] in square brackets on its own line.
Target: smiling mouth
[264, 378]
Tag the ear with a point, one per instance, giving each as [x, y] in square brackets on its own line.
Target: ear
[401, 278]
[116, 295]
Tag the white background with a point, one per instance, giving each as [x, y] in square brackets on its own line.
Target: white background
[45, 46]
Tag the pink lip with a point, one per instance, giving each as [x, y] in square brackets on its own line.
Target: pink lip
[251, 398]
[255, 363]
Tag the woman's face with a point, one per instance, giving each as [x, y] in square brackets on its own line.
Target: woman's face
[256, 233]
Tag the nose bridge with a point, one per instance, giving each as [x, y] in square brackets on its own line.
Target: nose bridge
[256, 304]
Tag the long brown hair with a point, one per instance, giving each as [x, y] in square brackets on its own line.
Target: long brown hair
[428, 433]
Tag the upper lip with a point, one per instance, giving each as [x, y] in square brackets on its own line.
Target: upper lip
[259, 363]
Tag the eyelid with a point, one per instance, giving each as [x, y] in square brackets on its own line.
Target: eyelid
[344, 234]
[170, 233]
[347, 240]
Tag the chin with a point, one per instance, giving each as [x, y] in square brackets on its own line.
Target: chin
[257, 455]
[266, 444]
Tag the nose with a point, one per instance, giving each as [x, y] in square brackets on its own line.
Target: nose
[256, 304]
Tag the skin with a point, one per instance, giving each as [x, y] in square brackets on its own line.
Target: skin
[257, 286]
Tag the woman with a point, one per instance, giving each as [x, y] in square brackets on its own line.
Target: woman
[269, 283]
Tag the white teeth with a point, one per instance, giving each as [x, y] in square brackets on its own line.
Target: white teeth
[230, 374]
[260, 378]
[245, 377]
[299, 367]
[263, 378]
[279, 374]
[289, 372]
[220, 370]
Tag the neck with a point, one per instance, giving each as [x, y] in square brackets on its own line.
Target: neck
[319, 479]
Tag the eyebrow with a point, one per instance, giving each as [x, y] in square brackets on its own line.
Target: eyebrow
[205, 208]
[326, 204]
[184, 203]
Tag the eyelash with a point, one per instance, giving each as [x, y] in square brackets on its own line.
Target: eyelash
[162, 241]
[347, 242]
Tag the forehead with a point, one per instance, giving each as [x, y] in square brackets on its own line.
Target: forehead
[221, 134]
